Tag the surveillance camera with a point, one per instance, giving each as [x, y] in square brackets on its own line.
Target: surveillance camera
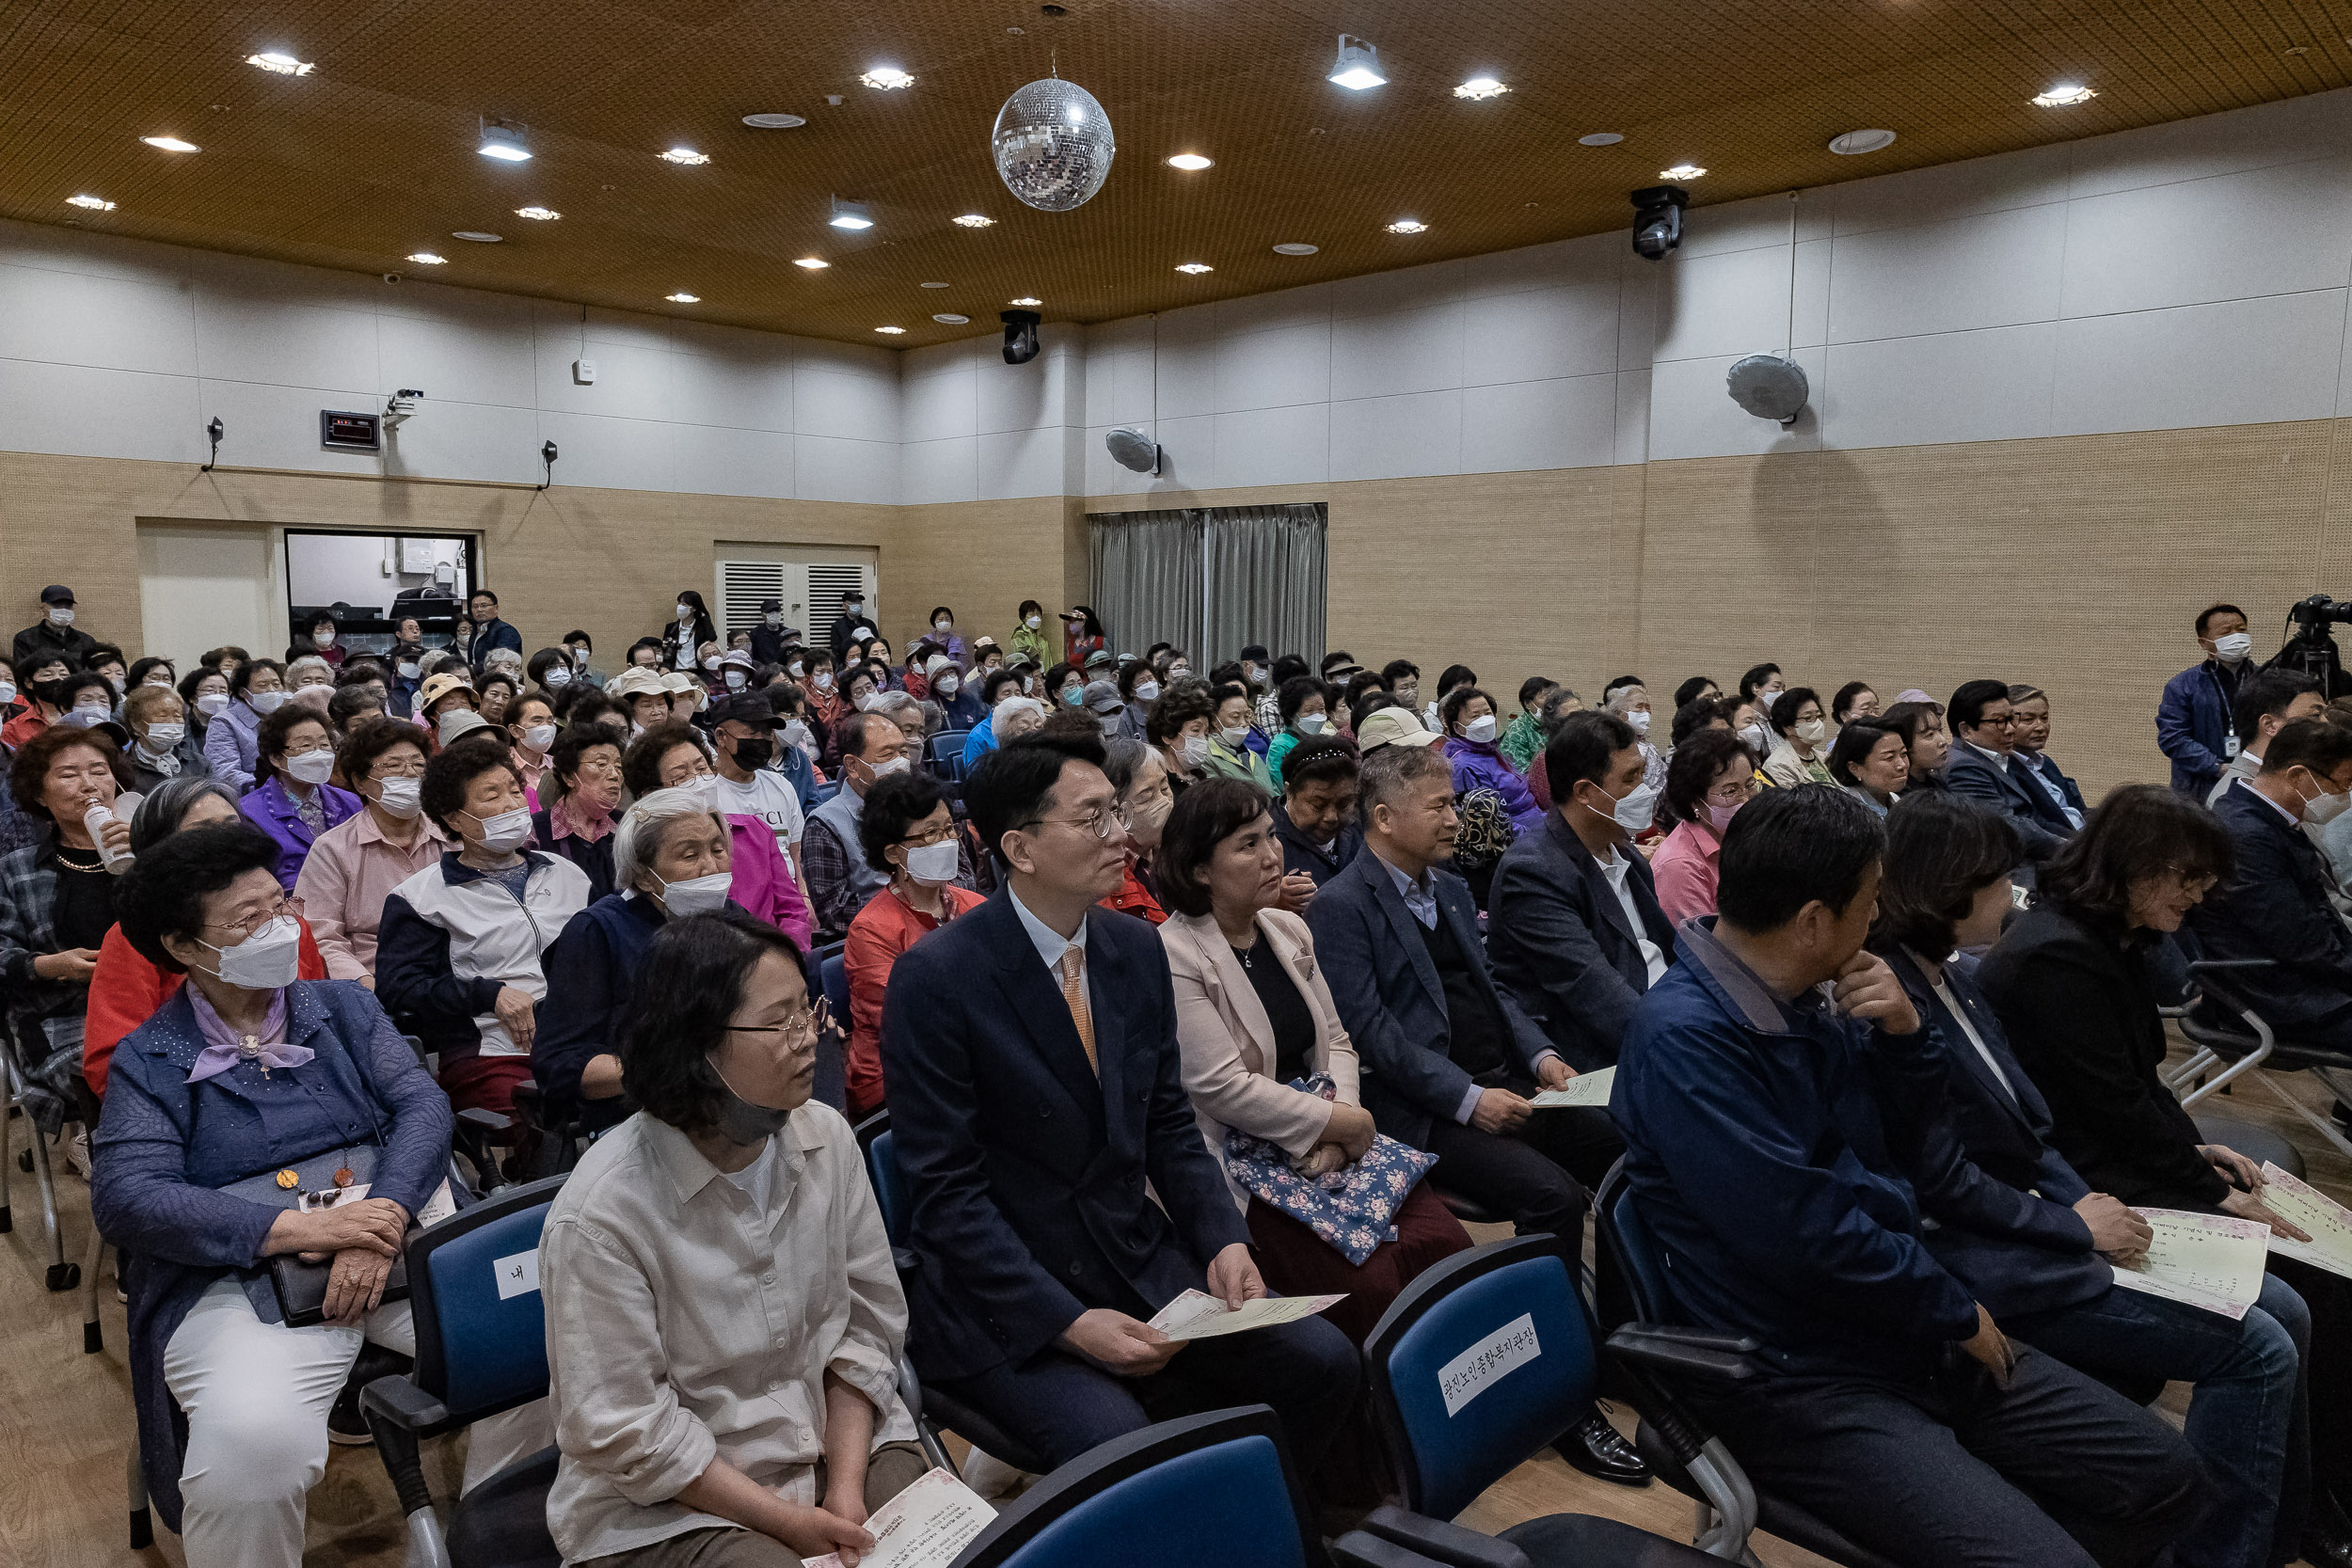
[401, 404]
[1020, 335]
[391, 277]
[1657, 220]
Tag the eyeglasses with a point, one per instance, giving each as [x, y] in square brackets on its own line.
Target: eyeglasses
[805, 1024]
[383, 770]
[288, 906]
[2196, 885]
[1099, 823]
[2004, 721]
[935, 835]
[1736, 790]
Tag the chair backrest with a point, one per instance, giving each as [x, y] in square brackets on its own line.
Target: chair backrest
[834, 974]
[473, 1290]
[1481, 1361]
[946, 754]
[1628, 1243]
[890, 1188]
[1217, 1488]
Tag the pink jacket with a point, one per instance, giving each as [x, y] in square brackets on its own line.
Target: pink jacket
[763, 879]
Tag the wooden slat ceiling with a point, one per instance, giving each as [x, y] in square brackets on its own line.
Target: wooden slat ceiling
[371, 157]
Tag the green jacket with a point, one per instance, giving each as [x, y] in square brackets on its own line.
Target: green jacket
[1033, 643]
[1224, 763]
[1521, 741]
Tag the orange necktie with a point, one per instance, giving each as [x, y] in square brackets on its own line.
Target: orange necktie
[1074, 991]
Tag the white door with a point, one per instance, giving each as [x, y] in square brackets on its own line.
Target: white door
[205, 584]
[808, 580]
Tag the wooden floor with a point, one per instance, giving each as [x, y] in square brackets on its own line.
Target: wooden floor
[67, 1431]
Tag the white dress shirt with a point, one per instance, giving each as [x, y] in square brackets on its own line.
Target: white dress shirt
[1951, 1004]
[1615, 869]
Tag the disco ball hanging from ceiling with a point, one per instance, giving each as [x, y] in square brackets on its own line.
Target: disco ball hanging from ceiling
[1053, 144]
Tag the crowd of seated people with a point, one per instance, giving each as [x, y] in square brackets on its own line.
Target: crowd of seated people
[1246, 981]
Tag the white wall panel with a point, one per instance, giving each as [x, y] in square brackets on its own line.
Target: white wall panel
[1990, 269]
[2265, 231]
[2246, 361]
[1405, 351]
[1397, 438]
[1733, 303]
[1568, 422]
[939, 470]
[116, 323]
[82, 412]
[1991, 385]
[1274, 368]
[1540, 334]
[1275, 446]
[831, 468]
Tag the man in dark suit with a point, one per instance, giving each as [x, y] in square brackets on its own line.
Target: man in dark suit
[1447, 1059]
[1982, 770]
[1030, 1048]
[853, 625]
[2029, 742]
[2275, 903]
[1576, 935]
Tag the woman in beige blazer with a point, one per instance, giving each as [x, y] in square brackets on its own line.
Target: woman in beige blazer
[1252, 1014]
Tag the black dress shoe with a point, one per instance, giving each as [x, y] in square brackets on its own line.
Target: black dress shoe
[1595, 1449]
[2327, 1535]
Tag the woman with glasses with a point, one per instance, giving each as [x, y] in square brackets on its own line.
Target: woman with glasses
[1799, 753]
[354, 867]
[1143, 801]
[250, 1095]
[1711, 775]
[575, 819]
[292, 801]
[723, 1321]
[910, 836]
[1871, 762]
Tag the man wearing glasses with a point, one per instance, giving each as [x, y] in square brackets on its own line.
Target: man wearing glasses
[839, 879]
[1984, 729]
[1030, 1049]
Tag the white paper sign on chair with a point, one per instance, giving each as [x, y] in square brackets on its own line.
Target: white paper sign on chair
[1468, 1375]
[518, 1275]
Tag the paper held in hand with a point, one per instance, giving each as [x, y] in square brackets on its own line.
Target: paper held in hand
[1196, 1315]
[1585, 1088]
[2328, 1223]
[924, 1527]
[2209, 1260]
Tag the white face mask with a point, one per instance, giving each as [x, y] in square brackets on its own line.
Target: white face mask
[8, 692]
[83, 718]
[1634, 813]
[323, 639]
[948, 685]
[164, 681]
[163, 738]
[1195, 751]
[1759, 739]
[1032, 623]
[558, 677]
[941, 625]
[1813, 731]
[883, 771]
[1769, 695]
[737, 680]
[934, 864]
[1481, 729]
[1147, 691]
[408, 672]
[267, 701]
[797, 733]
[507, 830]
[2325, 808]
[711, 663]
[1640, 720]
[1311, 723]
[211, 705]
[539, 737]
[1234, 736]
[772, 619]
[685, 616]
[824, 680]
[62, 615]
[401, 797]
[267, 960]
[694, 894]
[311, 767]
[796, 670]
[2234, 648]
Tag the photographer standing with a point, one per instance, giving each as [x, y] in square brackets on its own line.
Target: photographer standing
[2193, 721]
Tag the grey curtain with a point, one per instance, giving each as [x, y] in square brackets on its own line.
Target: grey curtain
[1210, 581]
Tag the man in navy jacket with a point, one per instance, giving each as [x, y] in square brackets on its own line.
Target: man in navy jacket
[1982, 768]
[2193, 720]
[1895, 1408]
[1035, 1090]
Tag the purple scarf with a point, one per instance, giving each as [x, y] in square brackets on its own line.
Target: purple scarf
[224, 1048]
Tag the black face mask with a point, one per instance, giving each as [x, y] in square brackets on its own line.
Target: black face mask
[742, 1123]
[755, 751]
[53, 692]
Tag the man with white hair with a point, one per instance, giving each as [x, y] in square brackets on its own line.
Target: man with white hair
[1630, 703]
[832, 854]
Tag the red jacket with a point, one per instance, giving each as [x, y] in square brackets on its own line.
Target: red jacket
[126, 989]
[885, 927]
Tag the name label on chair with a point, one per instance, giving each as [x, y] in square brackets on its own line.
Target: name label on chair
[1467, 1375]
[518, 1275]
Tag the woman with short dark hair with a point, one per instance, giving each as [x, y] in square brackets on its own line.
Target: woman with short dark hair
[1710, 776]
[1799, 753]
[1926, 742]
[292, 801]
[1855, 700]
[354, 867]
[257, 688]
[1870, 762]
[575, 818]
[1303, 706]
[909, 834]
[723, 1320]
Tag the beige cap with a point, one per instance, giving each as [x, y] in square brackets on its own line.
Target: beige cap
[635, 681]
[1392, 725]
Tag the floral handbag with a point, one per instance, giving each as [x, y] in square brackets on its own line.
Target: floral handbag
[1354, 1207]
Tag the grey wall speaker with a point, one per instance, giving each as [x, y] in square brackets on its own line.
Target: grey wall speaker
[1132, 448]
[1769, 387]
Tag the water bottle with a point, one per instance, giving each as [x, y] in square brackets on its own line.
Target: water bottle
[95, 819]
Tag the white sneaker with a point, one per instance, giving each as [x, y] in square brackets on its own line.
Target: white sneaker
[77, 1152]
[991, 1477]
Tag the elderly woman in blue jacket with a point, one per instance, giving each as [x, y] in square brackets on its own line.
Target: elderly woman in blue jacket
[242, 1082]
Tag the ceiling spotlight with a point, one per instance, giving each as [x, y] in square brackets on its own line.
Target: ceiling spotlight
[851, 214]
[1681, 171]
[1601, 138]
[1020, 334]
[540, 215]
[1025, 300]
[1853, 142]
[1409, 226]
[775, 121]
[504, 142]
[948, 318]
[1657, 220]
[894, 331]
[2064, 94]
[95, 203]
[1295, 247]
[683, 299]
[811, 262]
[479, 236]
[281, 64]
[1480, 87]
[886, 77]
[683, 155]
[171, 144]
[1194, 268]
[426, 259]
[1190, 160]
[974, 220]
[1358, 66]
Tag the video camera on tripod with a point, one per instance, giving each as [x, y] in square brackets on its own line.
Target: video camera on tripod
[2309, 648]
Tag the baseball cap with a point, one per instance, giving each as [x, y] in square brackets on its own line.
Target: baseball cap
[440, 686]
[1100, 658]
[57, 593]
[1102, 698]
[770, 607]
[745, 707]
[1392, 725]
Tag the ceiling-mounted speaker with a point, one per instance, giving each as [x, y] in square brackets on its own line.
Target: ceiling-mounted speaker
[1769, 387]
[1132, 448]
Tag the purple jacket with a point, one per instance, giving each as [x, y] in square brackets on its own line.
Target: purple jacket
[1477, 767]
[269, 808]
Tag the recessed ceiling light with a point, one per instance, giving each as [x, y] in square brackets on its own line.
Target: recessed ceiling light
[851, 214]
[1194, 267]
[1358, 66]
[171, 144]
[894, 331]
[1025, 301]
[948, 318]
[886, 77]
[1295, 247]
[683, 155]
[811, 262]
[775, 121]
[1681, 171]
[1601, 138]
[2063, 95]
[683, 299]
[502, 142]
[479, 236]
[541, 214]
[974, 220]
[1190, 160]
[426, 259]
[1853, 142]
[95, 203]
[1480, 87]
[1409, 226]
[280, 65]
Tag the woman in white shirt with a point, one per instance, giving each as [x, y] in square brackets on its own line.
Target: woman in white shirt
[723, 1320]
